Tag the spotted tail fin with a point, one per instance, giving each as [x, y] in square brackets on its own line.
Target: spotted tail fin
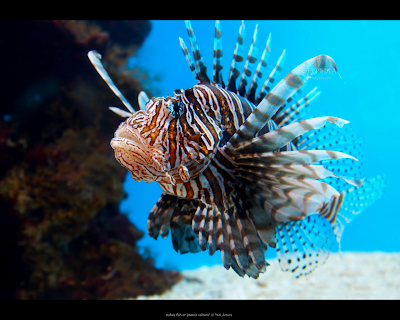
[304, 245]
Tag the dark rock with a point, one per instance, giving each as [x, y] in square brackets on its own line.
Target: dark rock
[62, 234]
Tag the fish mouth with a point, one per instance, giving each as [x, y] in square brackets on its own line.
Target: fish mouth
[136, 155]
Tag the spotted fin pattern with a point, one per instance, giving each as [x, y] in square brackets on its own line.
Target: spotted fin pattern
[340, 210]
[304, 245]
[356, 200]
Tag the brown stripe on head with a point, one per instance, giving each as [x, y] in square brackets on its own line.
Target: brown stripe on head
[172, 143]
[189, 190]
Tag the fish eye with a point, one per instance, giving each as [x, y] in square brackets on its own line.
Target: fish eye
[176, 108]
[177, 91]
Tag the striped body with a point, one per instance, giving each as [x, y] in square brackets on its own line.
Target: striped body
[227, 111]
[237, 168]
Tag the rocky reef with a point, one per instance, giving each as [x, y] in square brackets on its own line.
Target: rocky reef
[62, 235]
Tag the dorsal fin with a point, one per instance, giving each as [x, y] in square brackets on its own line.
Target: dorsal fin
[198, 58]
[217, 66]
[188, 59]
[237, 60]
[270, 104]
[271, 78]
[258, 74]
[249, 65]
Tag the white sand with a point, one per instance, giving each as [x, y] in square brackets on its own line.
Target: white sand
[372, 275]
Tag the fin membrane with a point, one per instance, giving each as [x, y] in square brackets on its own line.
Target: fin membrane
[184, 240]
[304, 245]
[356, 200]
[160, 216]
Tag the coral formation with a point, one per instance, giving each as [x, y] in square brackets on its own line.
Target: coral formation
[60, 186]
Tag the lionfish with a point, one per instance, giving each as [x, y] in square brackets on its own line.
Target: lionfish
[240, 171]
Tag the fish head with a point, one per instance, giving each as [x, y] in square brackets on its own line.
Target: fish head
[134, 152]
[168, 141]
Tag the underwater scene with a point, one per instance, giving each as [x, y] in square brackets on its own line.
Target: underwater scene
[199, 160]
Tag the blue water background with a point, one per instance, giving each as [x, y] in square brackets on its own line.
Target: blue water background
[367, 55]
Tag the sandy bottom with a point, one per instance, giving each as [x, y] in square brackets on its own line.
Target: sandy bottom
[373, 275]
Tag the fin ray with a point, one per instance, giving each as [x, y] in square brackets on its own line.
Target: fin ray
[198, 58]
[237, 61]
[277, 97]
[95, 58]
